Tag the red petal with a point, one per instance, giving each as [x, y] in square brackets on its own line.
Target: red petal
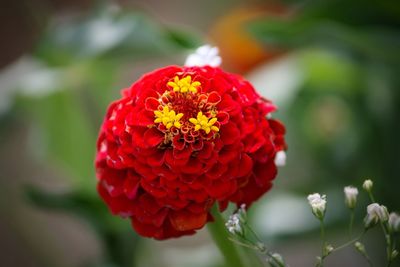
[176, 203]
[148, 205]
[151, 104]
[153, 188]
[229, 152]
[131, 186]
[245, 165]
[147, 230]
[216, 171]
[143, 118]
[277, 127]
[184, 220]
[157, 158]
[182, 154]
[214, 98]
[220, 189]
[207, 150]
[178, 142]
[137, 136]
[222, 117]
[228, 104]
[229, 133]
[197, 145]
[193, 166]
[153, 137]
[223, 205]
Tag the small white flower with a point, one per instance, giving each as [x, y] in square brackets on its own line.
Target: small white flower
[328, 249]
[394, 222]
[276, 258]
[350, 194]
[360, 247]
[318, 204]
[204, 55]
[375, 213]
[375, 209]
[280, 158]
[367, 185]
[233, 224]
[395, 253]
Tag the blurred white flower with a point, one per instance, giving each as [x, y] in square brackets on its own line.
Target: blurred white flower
[276, 260]
[204, 55]
[367, 185]
[394, 222]
[328, 249]
[350, 194]
[318, 204]
[233, 224]
[395, 253]
[280, 158]
[360, 247]
[375, 213]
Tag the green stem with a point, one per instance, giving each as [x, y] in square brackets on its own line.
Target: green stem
[371, 196]
[321, 262]
[389, 249]
[349, 242]
[351, 224]
[220, 236]
[386, 234]
[323, 237]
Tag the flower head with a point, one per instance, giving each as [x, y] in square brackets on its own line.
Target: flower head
[350, 194]
[318, 204]
[234, 224]
[180, 140]
[367, 185]
[375, 213]
[280, 158]
[204, 55]
[394, 222]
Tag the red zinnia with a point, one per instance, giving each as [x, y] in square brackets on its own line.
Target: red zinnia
[181, 139]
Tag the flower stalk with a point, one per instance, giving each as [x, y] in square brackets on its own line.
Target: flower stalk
[220, 236]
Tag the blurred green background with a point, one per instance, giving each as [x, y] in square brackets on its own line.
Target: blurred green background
[332, 67]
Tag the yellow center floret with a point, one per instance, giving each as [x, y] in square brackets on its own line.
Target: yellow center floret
[184, 85]
[168, 117]
[204, 123]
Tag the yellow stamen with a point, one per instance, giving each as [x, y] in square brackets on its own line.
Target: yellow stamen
[184, 85]
[204, 123]
[168, 117]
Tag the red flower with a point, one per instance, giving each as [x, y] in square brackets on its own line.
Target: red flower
[181, 139]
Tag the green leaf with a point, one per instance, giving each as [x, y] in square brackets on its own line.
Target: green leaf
[64, 135]
[368, 41]
[113, 35]
[184, 39]
[78, 203]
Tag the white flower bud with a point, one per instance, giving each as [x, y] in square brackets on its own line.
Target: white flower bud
[350, 194]
[204, 55]
[367, 185]
[395, 253]
[280, 158]
[328, 250]
[375, 213]
[360, 247]
[394, 222]
[318, 205]
[276, 260]
[234, 225]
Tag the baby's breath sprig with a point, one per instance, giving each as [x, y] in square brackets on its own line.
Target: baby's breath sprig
[244, 235]
[389, 223]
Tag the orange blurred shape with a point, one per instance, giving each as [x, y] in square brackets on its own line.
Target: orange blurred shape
[240, 51]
